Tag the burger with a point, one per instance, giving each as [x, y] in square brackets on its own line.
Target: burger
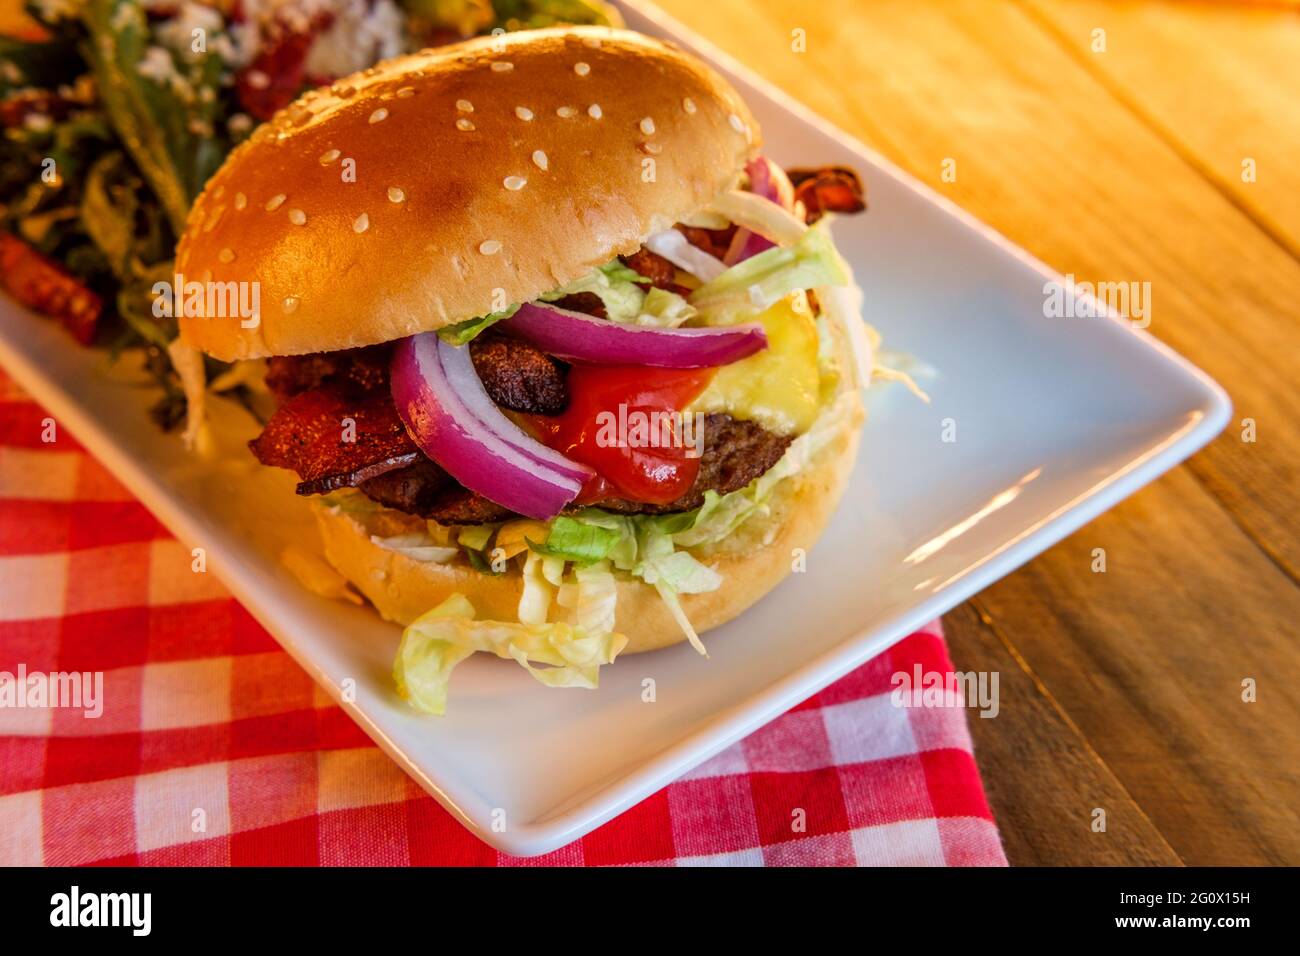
[567, 367]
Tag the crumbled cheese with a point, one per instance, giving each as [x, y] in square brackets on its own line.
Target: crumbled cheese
[158, 65]
[177, 32]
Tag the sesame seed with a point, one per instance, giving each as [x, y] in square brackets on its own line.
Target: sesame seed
[395, 194]
[524, 113]
[594, 111]
[274, 202]
[240, 200]
[290, 303]
[688, 104]
[648, 126]
[226, 255]
[464, 125]
[566, 112]
[379, 115]
[405, 92]
[465, 106]
[501, 66]
[329, 157]
[297, 217]
[736, 123]
[218, 192]
[654, 149]
[216, 218]
[582, 69]
[514, 183]
[489, 247]
[540, 159]
[361, 223]
[593, 42]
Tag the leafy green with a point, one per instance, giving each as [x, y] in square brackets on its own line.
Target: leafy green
[534, 14]
[109, 218]
[622, 297]
[168, 129]
[762, 280]
[664, 309]
[578, 541]
[463, 332]
[616, 271]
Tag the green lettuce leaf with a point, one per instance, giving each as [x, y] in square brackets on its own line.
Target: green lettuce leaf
[763, 280]
[462, 332]
[170, 139]
[576, 540]
[665, 310]
[616, 271]
[621, 296]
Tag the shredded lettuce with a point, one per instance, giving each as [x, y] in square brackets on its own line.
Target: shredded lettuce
[437, 641]
[762, 280]
[720, 515]
[418, 546]
[638, 545]
[538, 591]
[592, 595]
[671, 573]
[665, 310]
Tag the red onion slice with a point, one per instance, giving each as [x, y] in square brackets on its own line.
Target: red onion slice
[572, 335]
[766, 179]
[449, 415]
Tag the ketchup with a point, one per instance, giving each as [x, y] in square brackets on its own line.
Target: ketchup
[614, 425]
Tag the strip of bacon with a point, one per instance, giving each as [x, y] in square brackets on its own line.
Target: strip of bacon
[43, 285]
[828, 189]
[334, 431]
[661, 273]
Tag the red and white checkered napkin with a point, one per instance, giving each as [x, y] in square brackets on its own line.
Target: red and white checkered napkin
[214, 747]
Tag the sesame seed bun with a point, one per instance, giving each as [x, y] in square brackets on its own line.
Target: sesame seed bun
[752, 560]
[486, 173]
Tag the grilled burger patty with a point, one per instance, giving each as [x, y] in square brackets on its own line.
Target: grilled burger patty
[321, 391]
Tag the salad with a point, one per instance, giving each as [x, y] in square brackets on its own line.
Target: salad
[116, 112]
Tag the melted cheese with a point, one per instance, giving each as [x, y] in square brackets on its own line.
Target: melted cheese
[779, 388]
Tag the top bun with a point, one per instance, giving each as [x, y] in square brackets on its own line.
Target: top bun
[486, 173]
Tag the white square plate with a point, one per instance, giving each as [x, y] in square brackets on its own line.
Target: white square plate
[1056, 421]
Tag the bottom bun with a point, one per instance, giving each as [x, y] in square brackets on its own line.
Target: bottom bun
[752, 560]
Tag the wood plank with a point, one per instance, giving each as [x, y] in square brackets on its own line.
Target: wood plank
[1148, 659]
[1211, 80]
[1042, 779]
[1046, 155]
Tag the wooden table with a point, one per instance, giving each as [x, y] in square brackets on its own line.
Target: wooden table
[1171, 156]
